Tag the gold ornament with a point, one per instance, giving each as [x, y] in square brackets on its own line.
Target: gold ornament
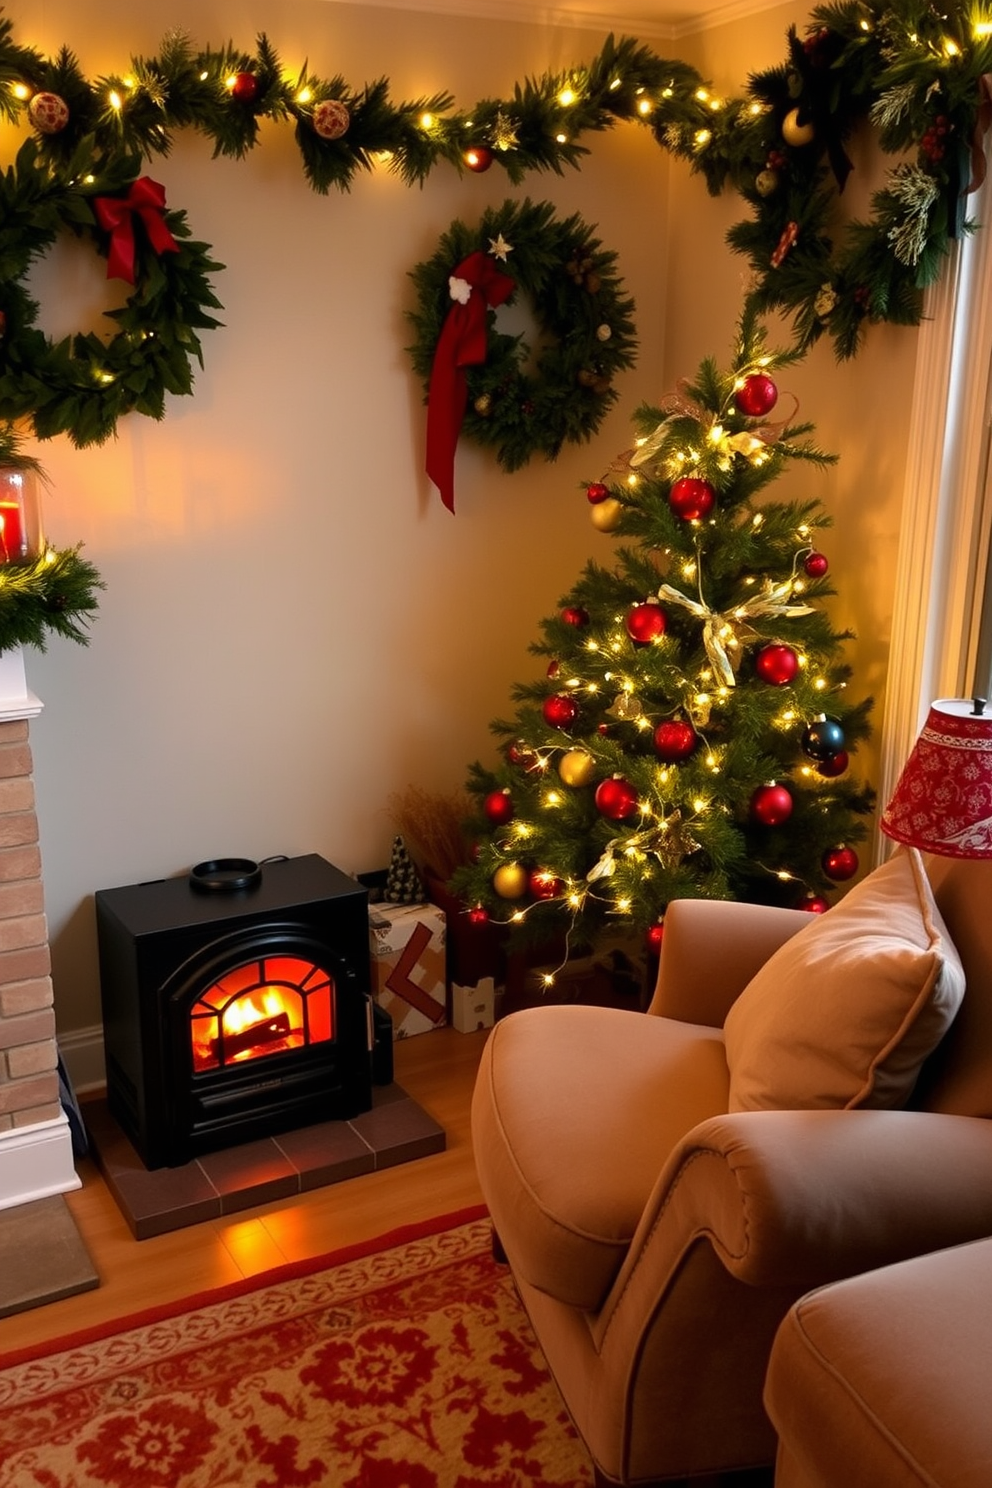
[605, 515]
[483, 405]
[795, 133]
[577, 768]
[766, 182]
[510, 881]
[504, 131]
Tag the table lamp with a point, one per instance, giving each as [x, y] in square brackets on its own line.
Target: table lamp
[942, 802]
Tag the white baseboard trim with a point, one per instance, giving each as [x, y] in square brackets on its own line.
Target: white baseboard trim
[82, 1052]
[36, 1162]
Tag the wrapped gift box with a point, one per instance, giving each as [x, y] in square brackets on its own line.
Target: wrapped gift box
[407, 943]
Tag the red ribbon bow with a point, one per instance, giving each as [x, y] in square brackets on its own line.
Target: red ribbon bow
[461, 344]
[116, 214]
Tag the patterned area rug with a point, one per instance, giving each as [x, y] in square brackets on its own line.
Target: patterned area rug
[407, 1364]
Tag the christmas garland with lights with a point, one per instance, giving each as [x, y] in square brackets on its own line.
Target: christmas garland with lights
[582, 315]
[914, 72]
[53, 592]
[81, 385]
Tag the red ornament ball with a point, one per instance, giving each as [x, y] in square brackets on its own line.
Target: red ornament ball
[815, 565]
[575, 615]
[691, 498]
[48, 113]
[840, 863]
[814, 904]
[674, 740]
[646, 622]
[777, 664]
[331, 119]
[597, 492]
[771, 805]
[543, 884]
[616, 798]
[478, 915]
[560, 711]
[245, 87]
[498, 807]
[834, 766]
[478, 158]
[654, 935]
[756, 396]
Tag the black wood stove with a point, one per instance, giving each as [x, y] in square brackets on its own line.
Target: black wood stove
[236, 1004]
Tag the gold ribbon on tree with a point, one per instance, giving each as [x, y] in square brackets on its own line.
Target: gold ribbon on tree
[669, 841]
[680, 404]
[719, 631]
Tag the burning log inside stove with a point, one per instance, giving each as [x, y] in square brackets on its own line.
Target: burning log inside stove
[245, 1043]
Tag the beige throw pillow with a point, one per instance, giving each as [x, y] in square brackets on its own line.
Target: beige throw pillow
[845, 1012]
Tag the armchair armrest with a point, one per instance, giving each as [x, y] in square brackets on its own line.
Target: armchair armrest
[711, 950]
[800, 1198]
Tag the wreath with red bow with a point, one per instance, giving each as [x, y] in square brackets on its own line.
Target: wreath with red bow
[488, 384]
[82, 384]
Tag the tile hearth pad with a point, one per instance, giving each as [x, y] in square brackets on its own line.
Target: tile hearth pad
[155, 1201]
[42, 1257]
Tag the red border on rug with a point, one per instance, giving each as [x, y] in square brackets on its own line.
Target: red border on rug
[402, 1235]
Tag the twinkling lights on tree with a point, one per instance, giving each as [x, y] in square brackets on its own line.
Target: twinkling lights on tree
[693, 735]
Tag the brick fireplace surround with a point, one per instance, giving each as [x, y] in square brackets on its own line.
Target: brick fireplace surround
[35, 1144]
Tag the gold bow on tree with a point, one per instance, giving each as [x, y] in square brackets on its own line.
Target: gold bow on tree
[667, 839]
[720, 631]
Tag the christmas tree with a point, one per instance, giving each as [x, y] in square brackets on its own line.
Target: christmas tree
[692, 734]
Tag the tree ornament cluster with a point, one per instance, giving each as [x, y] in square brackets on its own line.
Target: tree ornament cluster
[692, 737]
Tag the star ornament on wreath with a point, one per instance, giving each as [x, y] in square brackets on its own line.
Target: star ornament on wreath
[83, 384]
[478, 380]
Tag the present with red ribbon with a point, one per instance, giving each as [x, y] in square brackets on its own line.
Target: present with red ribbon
[145, 200]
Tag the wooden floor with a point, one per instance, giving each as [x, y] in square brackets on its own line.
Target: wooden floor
[437, 1069]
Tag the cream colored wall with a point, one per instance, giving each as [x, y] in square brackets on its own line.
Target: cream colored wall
[294, 628]
[861, 407]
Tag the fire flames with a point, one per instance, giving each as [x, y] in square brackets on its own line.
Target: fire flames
[230, 1026]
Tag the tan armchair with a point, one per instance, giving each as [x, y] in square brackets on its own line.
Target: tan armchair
[659, 1227]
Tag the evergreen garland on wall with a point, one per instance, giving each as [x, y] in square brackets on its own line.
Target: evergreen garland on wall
[914, 71]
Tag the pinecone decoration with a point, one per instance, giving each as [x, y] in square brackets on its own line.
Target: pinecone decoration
[403, 885]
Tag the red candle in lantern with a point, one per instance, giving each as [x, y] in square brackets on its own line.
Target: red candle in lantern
[20, 514]
[12, 543]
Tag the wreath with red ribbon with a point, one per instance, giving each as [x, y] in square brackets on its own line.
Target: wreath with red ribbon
[81, 385]
[478, 379]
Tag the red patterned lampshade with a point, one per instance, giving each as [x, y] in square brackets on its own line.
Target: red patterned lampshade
[943, 800]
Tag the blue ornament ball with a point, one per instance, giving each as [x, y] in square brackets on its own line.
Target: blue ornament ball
[823, 738]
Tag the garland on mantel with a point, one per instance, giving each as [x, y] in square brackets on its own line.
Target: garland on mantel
[54, 593]
[917, 72]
